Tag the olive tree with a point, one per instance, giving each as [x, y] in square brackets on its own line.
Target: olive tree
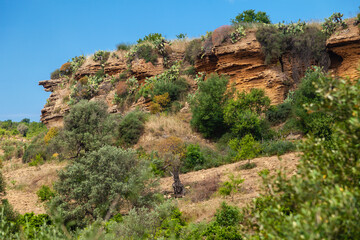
[98, 184]
[88, 127]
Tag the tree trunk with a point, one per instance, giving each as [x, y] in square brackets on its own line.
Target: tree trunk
[177, 185]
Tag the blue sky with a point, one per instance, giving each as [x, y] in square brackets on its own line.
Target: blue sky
[38, 36]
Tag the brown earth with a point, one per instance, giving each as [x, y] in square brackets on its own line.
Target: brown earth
[251, 187]
[24, 181]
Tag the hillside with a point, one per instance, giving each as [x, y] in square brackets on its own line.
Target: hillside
[243, 61]
[249, 132]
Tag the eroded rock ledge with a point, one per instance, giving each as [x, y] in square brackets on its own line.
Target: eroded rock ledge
[243, 62]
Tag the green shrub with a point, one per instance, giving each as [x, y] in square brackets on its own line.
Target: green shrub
[172, 225]
[244, 122]
[45, 193]
[32, 223]
[332, 23]
[131, 127]
[77, 62]
[192, 51]
[164, 221]
[194, 157]
[146, 52]
[207, 106]
[99, 183]
[214, 232]
[247, 166]
[238, 33]
[176, 106]
[2, 185]
[167, 82]
[317, 123]
[246, 148]
[100, 73]
[152, 37]
[230, 187]
[190, 71]
[270, 148]
[249, 16]
[243, 114]
[181, 36]
[157, 165]
[272, 42]
[255, 101]
[35, 128]
[214, 158]
[38, 160]
[227, 215]
[305, 43]
[174, 89]
[9, 224]
[36, 147]
[278, 114]
[123, 46]
[55, 74]
[11, 149]
[101, 56]
[225, 226]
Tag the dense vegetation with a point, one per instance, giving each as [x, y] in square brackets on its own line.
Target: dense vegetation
[108, 190]
[321, 201]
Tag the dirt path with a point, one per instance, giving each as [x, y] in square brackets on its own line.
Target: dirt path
[201, 181]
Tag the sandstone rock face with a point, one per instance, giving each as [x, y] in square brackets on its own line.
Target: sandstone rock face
[344, 51]
[55, 108]
[53, 112]
[243, 62]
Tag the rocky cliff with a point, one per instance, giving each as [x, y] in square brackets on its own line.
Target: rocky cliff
[344, 51]
[242, 61]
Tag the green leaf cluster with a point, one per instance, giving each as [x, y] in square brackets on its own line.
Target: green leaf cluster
[249, 16]
[207, 106]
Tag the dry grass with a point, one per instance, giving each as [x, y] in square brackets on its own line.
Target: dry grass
[24, 181]
[179, 45]
[220, 34]
[160, 127]
[250, 25]
[204, 210]
[202, 190]
[314, 23]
